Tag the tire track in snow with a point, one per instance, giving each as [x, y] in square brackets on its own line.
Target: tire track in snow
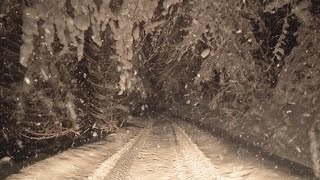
[118, 164]
[160, 158]
[76, 163]
[198, 163]
[169, 153]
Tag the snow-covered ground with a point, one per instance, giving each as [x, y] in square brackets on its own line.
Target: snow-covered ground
[164, 149]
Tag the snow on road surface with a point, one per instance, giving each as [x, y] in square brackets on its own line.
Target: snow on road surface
[162, 150]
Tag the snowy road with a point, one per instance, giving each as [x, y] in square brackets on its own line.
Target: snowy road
[162, 150]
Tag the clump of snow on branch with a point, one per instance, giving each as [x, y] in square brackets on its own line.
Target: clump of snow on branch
[70, 30]
[125, 34]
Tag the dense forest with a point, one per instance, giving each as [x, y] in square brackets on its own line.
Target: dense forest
[74, 70]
